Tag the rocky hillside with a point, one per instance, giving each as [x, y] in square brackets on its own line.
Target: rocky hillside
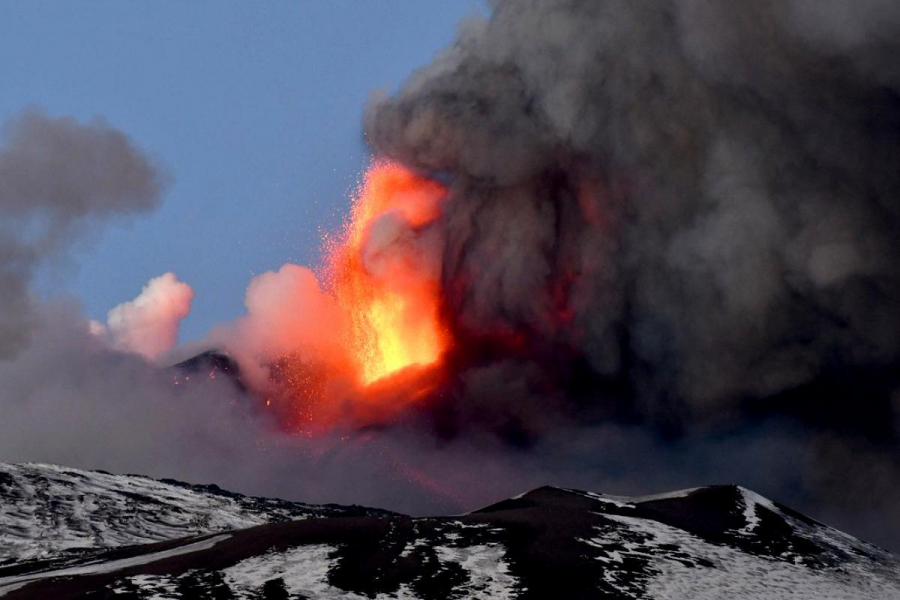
[713, 542]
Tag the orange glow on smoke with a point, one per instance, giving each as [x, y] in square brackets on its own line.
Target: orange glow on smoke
[383, 278]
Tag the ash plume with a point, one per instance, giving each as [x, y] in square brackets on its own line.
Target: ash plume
[58, 180]
[707, 194]
[688, 212]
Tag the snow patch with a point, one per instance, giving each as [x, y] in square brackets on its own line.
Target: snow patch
[8, 584]
[159, 587]
[488, 572]
[630, 501]
[47, 509]
[303, 570]
[678, 568]
[751, 500]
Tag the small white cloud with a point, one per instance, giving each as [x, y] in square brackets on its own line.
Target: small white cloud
[148, 325]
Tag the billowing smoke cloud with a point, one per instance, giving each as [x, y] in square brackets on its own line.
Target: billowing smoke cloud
[148, 325]
[289, 316]
[689, 210]
[710, 191]
[58, 180]
[287, 313]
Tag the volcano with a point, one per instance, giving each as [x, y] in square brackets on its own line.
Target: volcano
[68, 533]
[600, 244]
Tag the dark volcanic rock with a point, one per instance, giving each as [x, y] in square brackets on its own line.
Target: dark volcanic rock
[209, 365]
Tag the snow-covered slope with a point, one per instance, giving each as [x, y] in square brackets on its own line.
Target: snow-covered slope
[739, 545]
[46, 510]
[704, 543]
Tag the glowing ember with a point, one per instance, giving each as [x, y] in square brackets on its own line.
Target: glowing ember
[384, 274]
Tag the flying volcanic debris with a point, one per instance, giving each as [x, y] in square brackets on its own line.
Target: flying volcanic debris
[355, 341]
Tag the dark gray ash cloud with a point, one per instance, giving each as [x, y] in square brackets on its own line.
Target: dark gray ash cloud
[700, 200]
[720, 180]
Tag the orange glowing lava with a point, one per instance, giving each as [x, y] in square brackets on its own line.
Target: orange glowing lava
[384, 274]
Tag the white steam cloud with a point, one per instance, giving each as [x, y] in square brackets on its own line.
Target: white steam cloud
[148, 325]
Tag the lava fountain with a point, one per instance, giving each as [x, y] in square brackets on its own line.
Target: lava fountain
[364, 336]
[384, 273]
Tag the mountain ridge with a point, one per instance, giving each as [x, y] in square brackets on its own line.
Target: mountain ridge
[48, 509]
[550, 542]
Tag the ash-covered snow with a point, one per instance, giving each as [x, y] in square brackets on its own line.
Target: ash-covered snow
[152, 587]
[627, 501]
[46, 510]
[8, 584]
[680, 566]
[750, 501]
[775, 553]
[704, 543]
[486, 567]
[303, 572]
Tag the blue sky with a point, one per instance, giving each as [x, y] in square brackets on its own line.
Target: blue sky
[253, 108]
